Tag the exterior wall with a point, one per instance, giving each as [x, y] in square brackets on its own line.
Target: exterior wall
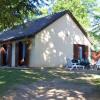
[54, 44]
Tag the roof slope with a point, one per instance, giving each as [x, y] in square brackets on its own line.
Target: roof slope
[32, 27]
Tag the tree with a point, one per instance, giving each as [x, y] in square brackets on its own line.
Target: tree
[76, 7]
[96, 25]
[14, 12]
[94, 16]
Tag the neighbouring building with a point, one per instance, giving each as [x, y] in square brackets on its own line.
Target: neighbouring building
[45, 42]
[95, 56]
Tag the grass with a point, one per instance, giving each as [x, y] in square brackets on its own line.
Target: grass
[12, 77]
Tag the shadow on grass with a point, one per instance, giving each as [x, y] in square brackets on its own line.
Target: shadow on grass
[12, 77]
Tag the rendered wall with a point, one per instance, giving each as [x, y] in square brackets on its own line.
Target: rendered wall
[54, 44]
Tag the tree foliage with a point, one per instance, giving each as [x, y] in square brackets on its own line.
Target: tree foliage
[13, 12]
[94, 14]
[76, 7]
[96, 25]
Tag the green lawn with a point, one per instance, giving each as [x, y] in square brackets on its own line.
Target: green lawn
[12, 77]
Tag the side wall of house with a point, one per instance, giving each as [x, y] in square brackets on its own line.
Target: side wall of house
[54, 44]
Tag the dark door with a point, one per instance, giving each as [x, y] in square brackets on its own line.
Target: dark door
[9, 54]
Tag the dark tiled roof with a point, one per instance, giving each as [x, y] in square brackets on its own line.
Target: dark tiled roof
[33, 27]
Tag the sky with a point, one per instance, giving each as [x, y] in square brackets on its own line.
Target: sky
[47, 4]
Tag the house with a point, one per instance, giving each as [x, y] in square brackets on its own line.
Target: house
[45, 42]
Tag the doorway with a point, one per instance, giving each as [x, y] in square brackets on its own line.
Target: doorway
[22, 54]
[6, 55]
